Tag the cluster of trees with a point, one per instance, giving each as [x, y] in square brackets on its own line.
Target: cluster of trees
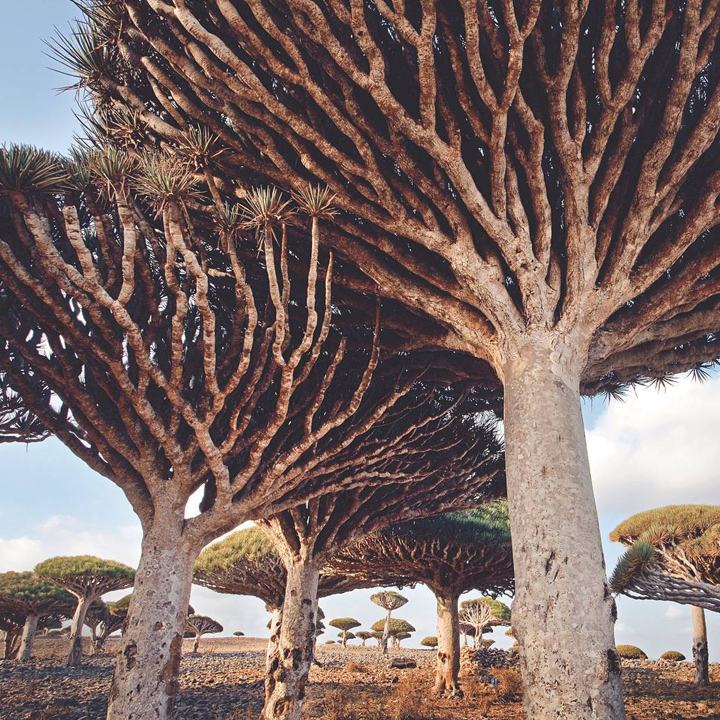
[478, 199]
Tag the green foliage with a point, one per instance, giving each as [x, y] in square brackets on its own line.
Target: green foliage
[120, 606]
[633, 562]
[86, 574]
[244, 545]
[673, 655]
[363, 634]
[27, 590]
[630, 652]
[431, 641]
[25, 168]
[673, 522]
[239, 633]
[396, 626]
[499, 610]
[510, 632]
[389, 599]
[344, 623]
[348, 635]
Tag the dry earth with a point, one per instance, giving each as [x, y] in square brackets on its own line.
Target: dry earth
[224, 682]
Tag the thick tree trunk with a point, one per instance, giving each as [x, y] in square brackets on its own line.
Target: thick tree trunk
[12, 638]
[274, 639]
[700, 647]
[448, 648]
[147, 666]
[386, 633]
[28, 637]
[289, 667]
[75, 637]
[563, 611]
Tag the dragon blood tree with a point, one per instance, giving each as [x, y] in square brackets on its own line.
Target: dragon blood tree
[87, 578]
[345, 625]
[199, 625]
[674, 554]
[451, 554]
[533, 183]
[482, 613]
[436, 449]
[17, 421]
[388, 600]
[398, 629]
[24, 594]
[181, 361]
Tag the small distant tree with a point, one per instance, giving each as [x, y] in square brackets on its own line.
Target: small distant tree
[239, 633]
[388, 600]
[451, 553]
[96, 615]
[631, 652]
[110, 618]
[482, 613]
[27, 596]
[674, 554]
[377, 636]
[394, 627]
[199, 625]
[87, 578]
[399, 637]
[344, 625]
[363, 636]
[430, 642]
[11, 625]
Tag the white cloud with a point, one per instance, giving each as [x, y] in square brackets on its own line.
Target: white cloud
[674, 612]
[658, 448]
[66, 535]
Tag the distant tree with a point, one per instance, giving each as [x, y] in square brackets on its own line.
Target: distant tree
[673, 656]
[344, 625]
[11, 625]
[378, 636]
[631, 652]
[431, 641]
[388, 600]
[399, 637]
[37, 601]
[482, 613]
[674, 554]
[394, 628]
[451, 553]
[111, 618]
[239, 633]
[96, 614]
[87, 578]
[199, 625]
[364, 636]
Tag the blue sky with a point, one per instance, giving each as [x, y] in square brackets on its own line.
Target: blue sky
[655, 449]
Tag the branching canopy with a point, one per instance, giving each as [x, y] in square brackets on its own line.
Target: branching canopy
[199, 625]
[86, 576]
[498, 168]
[388, 599]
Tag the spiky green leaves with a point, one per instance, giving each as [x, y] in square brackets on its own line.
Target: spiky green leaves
[667, 524]
[25, 168]
[162, 178]
[264, 206]
[85, 575]
[315, 201]
[199, 146]
[498, 610]
[397, 626]
[244, 545]
[632, 563]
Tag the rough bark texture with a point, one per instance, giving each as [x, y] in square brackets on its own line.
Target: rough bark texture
[448, 648]
[145, 681]
[28, 637]
[289, 667]
[75, 637]
[274, 639]
[563, 612]
[700, 647]
[386, 633]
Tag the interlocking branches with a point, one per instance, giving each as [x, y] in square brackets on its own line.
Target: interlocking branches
[499, 167]
[17, 421]
[179, 358]
[452, 553]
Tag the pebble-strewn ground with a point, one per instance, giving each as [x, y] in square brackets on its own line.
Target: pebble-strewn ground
[224, 682]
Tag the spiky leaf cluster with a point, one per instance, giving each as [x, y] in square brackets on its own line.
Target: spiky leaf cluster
[86, 575]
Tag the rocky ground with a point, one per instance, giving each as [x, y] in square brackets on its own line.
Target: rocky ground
[224, 682]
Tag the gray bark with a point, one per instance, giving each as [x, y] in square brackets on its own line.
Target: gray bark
[28, 637]
[75, 638]
[386, 633]
[274, 639]
[447, 668]
[290, 665]
[700, 647]
[563, 611]
[146, 671]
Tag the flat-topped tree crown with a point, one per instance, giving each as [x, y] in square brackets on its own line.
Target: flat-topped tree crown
[430, 642]
[29, 593]
[397, 625]
[199, 625]
[344, 624]
[388, 599]
[86, 576]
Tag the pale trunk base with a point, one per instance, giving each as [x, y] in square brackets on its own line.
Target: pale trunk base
[700, 647]
[147, 666]
[274, 640]
[386, 633]
[563, 611]
[28, 637]
[289, 667]
[75, 638]
[447, 668]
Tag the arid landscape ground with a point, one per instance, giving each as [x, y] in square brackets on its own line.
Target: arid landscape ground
[225, 682]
